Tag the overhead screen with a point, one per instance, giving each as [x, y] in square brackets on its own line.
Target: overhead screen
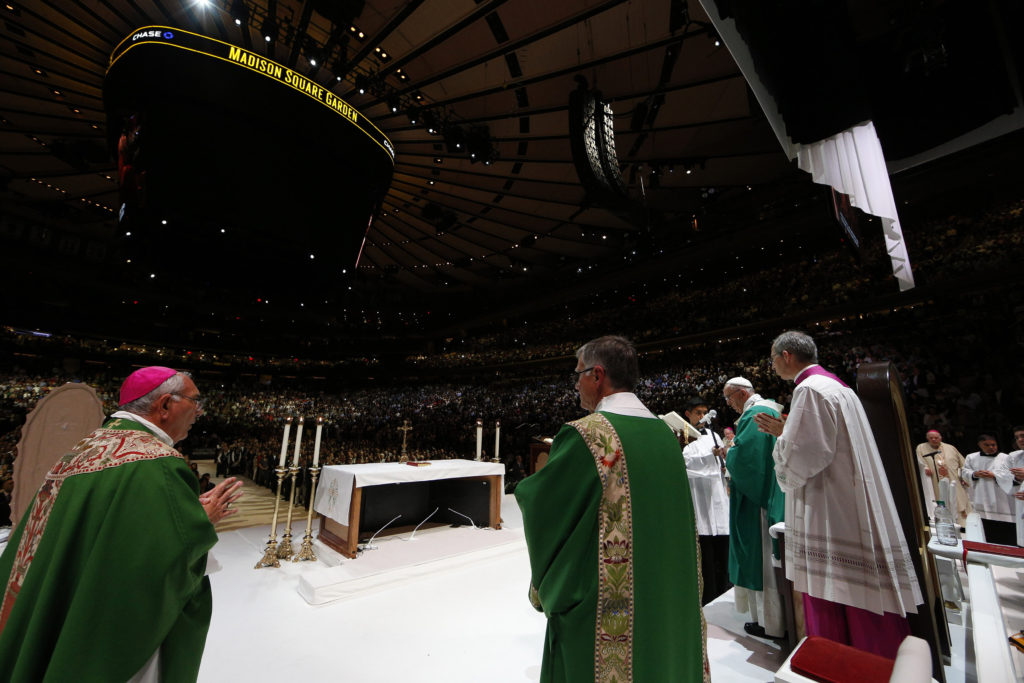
[212, 139]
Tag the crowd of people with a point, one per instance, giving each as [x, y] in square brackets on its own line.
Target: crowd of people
[949, 349]
[948, 386]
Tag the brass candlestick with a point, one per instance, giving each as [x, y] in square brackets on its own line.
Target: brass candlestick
[284, 551]
[306, 551]
[270, 555]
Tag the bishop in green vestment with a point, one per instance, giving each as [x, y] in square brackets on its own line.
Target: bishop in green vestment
[612, 539]
[104, 576]
[755, 503]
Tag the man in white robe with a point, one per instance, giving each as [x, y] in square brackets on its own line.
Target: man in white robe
[845, 548]
[1016, 461]
[937, 460]
[705, 471]
[987, 473]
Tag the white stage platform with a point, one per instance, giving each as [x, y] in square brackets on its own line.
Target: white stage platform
[450, 606]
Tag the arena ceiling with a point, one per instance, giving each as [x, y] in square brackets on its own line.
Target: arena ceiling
[698, 158]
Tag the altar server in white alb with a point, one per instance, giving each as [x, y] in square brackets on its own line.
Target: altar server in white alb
[845, 548]
[1017, 470]
[987, 473]
[705, 470]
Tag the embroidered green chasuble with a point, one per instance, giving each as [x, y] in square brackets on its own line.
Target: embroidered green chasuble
[108, 565]
[753, 487]
[613, 554]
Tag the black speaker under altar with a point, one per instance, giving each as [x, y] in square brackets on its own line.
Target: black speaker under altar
[214, 140]
[414, 501]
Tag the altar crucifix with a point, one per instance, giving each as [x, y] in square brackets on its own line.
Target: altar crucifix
[405, 429]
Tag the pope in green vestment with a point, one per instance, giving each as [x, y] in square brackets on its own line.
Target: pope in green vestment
[108, 566]
[613, 551]
[753, 488]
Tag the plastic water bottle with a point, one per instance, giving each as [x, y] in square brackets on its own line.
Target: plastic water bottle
[945, 529]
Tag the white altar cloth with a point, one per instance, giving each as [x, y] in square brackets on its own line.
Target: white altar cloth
[334, 491]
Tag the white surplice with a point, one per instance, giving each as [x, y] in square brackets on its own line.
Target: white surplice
[707, 485]
[844, 542]
[1016, 459]
[992, 498]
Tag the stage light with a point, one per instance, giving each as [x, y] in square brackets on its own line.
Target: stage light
[394, 103]
[362, 84]
[239, 11]
[269, 29]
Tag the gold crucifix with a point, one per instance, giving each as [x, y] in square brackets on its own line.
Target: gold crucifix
[405, 429]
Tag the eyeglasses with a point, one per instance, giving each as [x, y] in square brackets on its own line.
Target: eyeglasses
[198, 402]
[577, 373]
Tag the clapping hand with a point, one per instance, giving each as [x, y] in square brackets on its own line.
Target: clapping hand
[217, 501]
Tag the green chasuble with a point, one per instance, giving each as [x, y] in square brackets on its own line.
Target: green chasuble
[107, 565]
[613, 554]
[753, 487]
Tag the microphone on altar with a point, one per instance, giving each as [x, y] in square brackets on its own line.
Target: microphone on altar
[466, 516]
[369, 544]
[413, 534]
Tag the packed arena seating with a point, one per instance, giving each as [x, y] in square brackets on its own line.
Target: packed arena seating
[955, 343]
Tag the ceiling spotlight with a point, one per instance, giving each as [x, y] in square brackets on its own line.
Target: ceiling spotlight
[312, 62]
[239, 11]
[269, 29]
[362, 84]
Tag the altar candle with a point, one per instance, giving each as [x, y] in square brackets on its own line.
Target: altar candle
[284, 442]
[316, 444]
[298, 441]
[479, 437]
[497, 436]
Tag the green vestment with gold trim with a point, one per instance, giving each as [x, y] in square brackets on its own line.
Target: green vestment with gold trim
[108, 565]
[753, 487]
[652, 619]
